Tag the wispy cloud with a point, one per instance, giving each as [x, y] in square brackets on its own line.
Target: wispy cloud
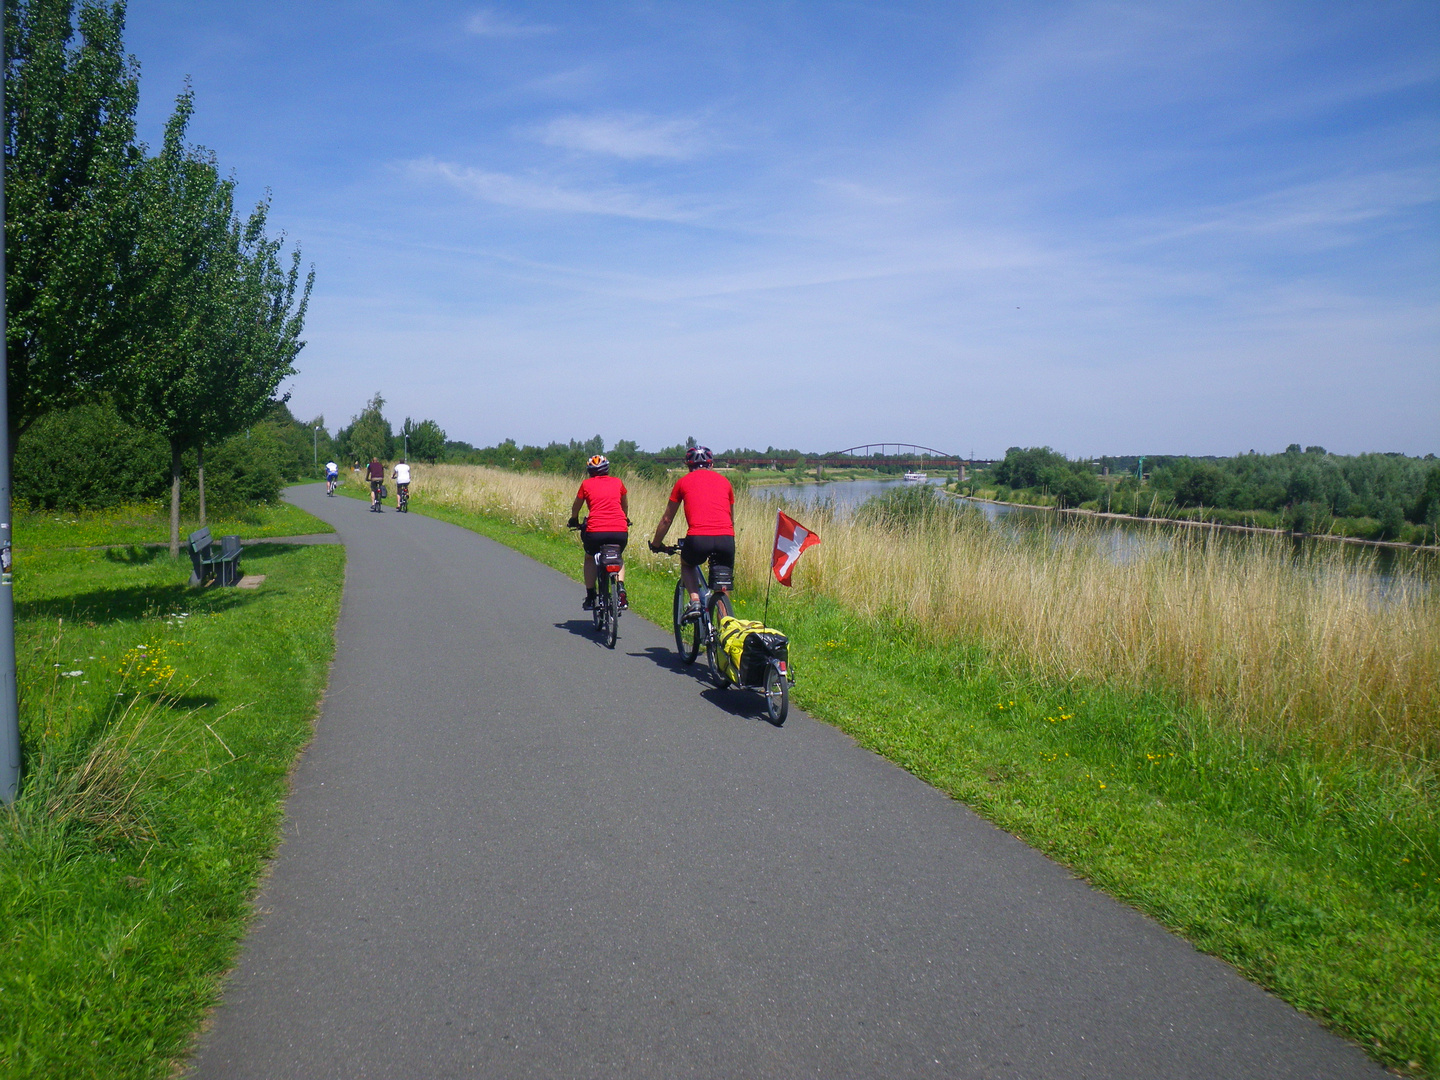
[628, 136]
[488, 23]
[544, 195]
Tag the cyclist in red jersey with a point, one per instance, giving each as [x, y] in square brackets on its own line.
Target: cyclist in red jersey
[608, 523]
[709, 502]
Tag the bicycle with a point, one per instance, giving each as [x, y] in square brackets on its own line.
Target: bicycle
[609, 561]
[330, 481]
[402, 498]
[377, 497]
[694, 630]
[699, 627]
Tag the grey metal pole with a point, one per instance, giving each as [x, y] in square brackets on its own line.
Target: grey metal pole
[9, 706]
[315, 445]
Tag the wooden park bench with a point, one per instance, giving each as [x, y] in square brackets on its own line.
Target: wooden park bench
[222, 564]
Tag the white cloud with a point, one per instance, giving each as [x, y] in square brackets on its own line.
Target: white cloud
[625, 136]
[527, 194]
[486, 23]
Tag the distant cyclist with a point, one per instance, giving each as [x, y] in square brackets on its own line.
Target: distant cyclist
[332, 477]
[709, 503]
[401, 475]
[375, 473]
[608, 523]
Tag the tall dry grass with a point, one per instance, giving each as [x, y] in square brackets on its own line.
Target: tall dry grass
[1312, 650]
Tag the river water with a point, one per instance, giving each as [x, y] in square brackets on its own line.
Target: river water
[1120, 539]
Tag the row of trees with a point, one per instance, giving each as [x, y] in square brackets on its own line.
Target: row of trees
[1301, 487]
[369, 435]
[130, 278]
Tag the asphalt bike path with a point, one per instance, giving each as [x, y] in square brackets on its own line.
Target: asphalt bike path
[510, 852]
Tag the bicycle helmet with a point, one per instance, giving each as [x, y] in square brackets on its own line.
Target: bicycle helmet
[598, 465]
[699, 457]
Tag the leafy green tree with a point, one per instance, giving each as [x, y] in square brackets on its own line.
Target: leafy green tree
[1427, 507]
[1201, 486]
[1023, 468]
[368, 435]
[426, 440]
[215, 323]
[254, 349]
[70, 158]
[1070, 485]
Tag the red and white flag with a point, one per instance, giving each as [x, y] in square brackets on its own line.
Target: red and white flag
[791, 540]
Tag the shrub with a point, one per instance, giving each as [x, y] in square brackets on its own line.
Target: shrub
[87, 458]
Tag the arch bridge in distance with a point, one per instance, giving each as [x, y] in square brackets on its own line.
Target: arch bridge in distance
[907, 456]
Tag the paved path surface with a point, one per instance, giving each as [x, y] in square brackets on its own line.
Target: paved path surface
[510, 852]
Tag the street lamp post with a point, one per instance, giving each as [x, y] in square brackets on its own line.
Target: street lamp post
[9, 707]
[315, 444]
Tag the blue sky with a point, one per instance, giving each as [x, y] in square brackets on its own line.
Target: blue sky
[1107, 227]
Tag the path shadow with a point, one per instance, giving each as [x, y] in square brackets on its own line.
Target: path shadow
[189, 702]
[581, 628]
[737, 702]
[125, 604]
[135, 555]
[734, 701]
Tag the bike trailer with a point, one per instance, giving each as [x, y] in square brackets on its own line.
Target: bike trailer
[749, 646]
[609, 558]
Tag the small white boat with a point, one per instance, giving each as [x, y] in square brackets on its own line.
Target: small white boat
[915, 478]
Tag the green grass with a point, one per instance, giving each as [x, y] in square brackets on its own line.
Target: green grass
[1318, 877]
[151, 525]
[124, 889]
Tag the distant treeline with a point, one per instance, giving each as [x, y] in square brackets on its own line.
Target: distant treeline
[1376, 496]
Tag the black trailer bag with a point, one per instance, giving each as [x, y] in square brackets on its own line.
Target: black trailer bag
[759, 649]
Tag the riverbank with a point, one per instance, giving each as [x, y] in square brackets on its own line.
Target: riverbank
[1313, 869]
[1101, 515]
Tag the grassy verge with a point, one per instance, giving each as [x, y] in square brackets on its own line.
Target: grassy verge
[159, 725]
[1315, 873]
[151, 525]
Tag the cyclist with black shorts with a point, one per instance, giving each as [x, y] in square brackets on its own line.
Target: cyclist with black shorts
[709, 503]
[375, 473]
[608, 523]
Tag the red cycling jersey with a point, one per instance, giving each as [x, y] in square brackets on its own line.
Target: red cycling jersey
[603, 495]
[708, 498]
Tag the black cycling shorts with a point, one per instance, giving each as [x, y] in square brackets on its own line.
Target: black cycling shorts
[720, 550]
[594, 541]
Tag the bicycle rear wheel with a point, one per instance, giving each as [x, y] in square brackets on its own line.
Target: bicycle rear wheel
[720, 609]
[687, 634]
[611, 629]
[777, 695]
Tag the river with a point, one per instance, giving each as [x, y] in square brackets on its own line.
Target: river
[1121, 539]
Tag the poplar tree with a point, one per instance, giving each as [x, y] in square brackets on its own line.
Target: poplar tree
[214, 317]
[70, 220]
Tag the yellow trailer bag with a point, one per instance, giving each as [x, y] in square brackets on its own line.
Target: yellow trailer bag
[733, 632]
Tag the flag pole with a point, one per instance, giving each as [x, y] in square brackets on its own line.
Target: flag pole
[770, 577]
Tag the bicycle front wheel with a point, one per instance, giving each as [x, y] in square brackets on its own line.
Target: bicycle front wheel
[777, 695]
[687, 634]
[719, 610]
